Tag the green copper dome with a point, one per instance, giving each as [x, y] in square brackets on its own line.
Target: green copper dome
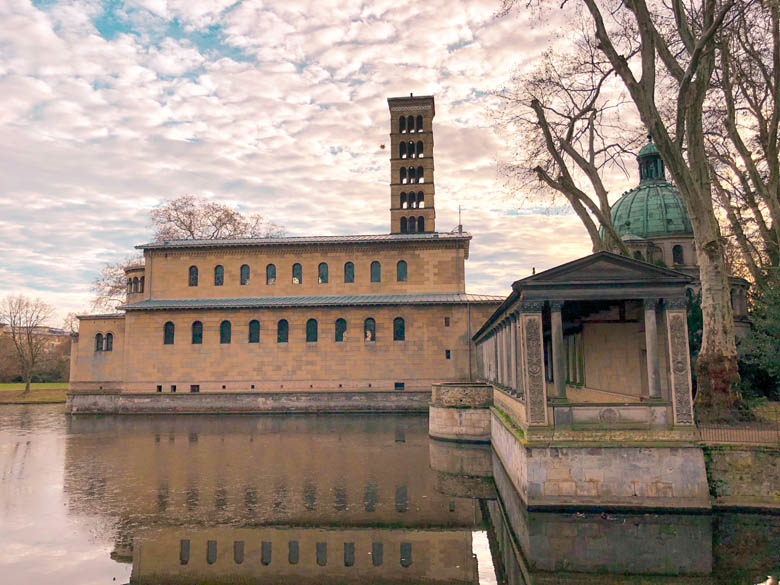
[654, 207]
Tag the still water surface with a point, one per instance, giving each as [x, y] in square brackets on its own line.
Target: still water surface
[308, 499]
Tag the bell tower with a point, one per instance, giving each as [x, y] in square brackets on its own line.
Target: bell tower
[411, 165]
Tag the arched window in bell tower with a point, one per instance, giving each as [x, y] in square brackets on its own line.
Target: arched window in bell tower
[410, 149]
[403, 200]
[402, 150]
[402, 125]
[402, 178]
[419, 149]
[411, 200]
[420, 175]
[410, 123]
[412, 225]
[411, 172]
[420, 200]
[421, 224]
[419, 124]
[403, 225]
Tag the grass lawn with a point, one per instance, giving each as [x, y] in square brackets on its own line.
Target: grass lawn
[44, 393]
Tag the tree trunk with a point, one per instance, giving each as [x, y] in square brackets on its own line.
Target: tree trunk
[716, 369]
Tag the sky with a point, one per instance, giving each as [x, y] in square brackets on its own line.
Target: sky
[274, 107]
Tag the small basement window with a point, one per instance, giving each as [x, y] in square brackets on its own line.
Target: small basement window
[159, 387]
[173, 387]
[399, 385]
[194, 387]
[447, 354]
[446, 321]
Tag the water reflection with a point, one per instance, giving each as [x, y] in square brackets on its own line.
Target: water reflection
[337, 499]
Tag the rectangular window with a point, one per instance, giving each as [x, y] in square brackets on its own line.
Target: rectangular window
[447, 354]
[446, 321]
[159, 387]
[399, 385]
[184, 551]
[265, 552]
[173, 387]
[194, 387]
[292, 552]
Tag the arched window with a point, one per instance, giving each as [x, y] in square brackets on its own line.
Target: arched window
[129, 285]
[349, 272]
[410, 123]
[168, 333]
[419, 124]
[638, 255]
[399, 329]
[410, 149]
[322, 273]
[141, 285]
[197, 333]
[369, 329]
[412, 200]
[400, 271]
[402, 179]
[420, 175]
[402, 150]
[403, 200]
[245, 274]
[403, 225]
[297, 274]
[270, 274]
[420, 199]
[341, 329]
[99, 342]
[282, 331]
[193, 276]
[677, 254]
[109, 345]
[402, 124]
[219, 275]
[135, 284]
[224, 332]
[376, 272]
[411, 172]
[412, 225]
[421, 224]
[419, 149]
[254, 331]
[311, 330]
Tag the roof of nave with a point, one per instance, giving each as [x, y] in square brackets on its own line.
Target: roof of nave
[308, 240]
[313, 301]
[103, 316]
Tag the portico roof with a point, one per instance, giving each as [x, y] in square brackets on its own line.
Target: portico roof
[600, 276]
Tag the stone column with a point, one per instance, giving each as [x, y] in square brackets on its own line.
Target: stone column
[679, 361]
[507, 354]
[500, 353]
[558, 354]
[513, 352]
[533, 363]
[651, 341]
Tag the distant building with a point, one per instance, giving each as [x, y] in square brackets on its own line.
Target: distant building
[365, 314]
[54, 336]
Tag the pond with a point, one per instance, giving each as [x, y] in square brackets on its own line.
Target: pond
[318, 499]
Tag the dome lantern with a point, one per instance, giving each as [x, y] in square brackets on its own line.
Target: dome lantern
[651, 166]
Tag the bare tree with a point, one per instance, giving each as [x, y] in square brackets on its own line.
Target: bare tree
[570, 126]
[665, 55]
[24, 318]
[194, 218]
[110, 286]
[184, 218]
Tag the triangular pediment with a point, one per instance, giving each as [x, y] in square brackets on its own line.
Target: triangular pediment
[606, 268]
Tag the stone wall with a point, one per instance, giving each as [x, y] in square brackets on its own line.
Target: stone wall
[744, 476]
[462, 395]
[630, 476]
[286, 402]
[459, 424]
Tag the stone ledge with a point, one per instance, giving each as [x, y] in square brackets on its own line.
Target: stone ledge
[462, 395]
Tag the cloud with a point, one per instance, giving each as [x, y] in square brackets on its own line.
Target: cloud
[111, 108]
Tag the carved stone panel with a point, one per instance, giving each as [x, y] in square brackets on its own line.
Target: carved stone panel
[679, 360]
[536, 399]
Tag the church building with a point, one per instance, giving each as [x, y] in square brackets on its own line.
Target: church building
[357, 322]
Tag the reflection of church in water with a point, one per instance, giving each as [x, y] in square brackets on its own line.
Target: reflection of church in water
[349, 499]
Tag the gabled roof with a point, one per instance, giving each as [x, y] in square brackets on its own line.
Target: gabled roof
[600, 276]
[309, 240]
[602, 268]
[312, 301]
